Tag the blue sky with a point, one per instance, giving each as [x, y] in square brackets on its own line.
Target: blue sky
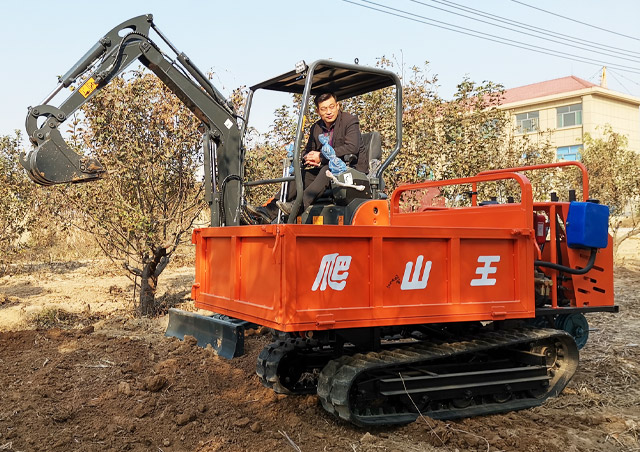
[245, 42]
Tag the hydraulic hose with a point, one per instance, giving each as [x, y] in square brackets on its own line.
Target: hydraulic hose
[223, 187]
[571, 271]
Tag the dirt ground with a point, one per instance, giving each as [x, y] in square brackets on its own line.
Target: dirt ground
[78, 372]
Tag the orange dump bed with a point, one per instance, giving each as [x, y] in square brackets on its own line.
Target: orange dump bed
[307, 277]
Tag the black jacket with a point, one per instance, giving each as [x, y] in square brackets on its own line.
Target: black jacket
[346, 139]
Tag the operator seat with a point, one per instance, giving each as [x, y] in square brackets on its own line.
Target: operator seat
[338, 204]
[373, 144]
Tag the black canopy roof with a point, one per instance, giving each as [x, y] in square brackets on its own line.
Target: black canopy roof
[345, 80]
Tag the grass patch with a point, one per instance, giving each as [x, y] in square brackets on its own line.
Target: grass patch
[59, 318]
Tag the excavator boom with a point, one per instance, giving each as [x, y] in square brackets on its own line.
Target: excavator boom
[54, 162]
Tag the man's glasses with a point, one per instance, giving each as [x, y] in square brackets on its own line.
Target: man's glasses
[328, 108]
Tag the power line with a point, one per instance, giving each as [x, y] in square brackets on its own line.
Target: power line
[628, 79]
[533, 28]
[594, 74]
[574, 20]
[490, 37]
[635, 60]
[621, 84]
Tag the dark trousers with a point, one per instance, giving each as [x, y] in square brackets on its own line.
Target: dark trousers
[314, 180]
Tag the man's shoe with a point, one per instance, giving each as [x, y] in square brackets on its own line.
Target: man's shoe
[285, 206]
[245, 218]
[261, 213]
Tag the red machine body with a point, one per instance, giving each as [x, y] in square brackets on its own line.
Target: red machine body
[390, 267]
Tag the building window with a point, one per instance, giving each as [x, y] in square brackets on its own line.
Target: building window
[527, 122]
[569, 116]
[569, 152]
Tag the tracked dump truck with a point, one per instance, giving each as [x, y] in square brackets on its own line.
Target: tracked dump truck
[385, 307]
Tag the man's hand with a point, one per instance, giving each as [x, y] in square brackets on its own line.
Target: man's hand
[312, 158]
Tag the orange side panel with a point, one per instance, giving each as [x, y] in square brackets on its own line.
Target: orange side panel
[308, 277]
[374, 212]
[596, 287]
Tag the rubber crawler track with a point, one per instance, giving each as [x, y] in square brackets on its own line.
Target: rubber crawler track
[339, 379]
[284, 377]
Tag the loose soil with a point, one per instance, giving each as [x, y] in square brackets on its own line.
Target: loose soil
[78, 372]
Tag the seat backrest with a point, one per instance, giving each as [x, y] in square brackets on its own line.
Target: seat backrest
[373, 143]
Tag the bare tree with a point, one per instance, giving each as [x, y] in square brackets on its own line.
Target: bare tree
[148, 201]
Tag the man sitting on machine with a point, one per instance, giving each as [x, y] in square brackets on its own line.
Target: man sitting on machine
[343, 130]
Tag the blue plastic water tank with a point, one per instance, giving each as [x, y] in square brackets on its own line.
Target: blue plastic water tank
[587, 225]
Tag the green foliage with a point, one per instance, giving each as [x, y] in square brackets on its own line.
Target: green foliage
[265, 161]
[17, 199]
[614, 178]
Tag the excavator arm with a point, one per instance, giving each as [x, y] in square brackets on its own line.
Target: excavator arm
[52, 161]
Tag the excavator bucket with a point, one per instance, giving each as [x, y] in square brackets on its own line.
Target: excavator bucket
[224, 334]
[53, 162]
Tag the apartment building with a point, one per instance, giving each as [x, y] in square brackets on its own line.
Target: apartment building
[569, 107]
